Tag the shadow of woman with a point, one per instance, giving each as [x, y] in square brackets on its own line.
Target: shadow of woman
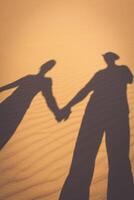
[13, 108]
[107, 111]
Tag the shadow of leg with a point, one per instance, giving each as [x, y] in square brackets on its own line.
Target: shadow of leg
[76, 186]
[120, 182]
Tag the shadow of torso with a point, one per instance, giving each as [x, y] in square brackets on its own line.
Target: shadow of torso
[13, 108]
[109, 97]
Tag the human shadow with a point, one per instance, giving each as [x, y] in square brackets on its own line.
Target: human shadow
[14, 107]
[107, 111]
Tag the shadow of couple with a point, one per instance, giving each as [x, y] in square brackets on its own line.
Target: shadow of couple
[107, 111]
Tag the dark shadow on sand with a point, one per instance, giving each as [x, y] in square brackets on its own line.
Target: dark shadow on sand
[107, 112]
[13, 108]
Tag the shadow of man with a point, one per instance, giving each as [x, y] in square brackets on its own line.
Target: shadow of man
[107, 111]
[13, 108]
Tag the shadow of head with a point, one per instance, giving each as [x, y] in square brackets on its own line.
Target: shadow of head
[110, 57]
[47, 67]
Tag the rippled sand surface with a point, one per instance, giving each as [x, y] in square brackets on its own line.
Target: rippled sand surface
[35, 162]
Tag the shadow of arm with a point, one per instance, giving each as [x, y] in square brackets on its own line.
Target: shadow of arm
[131, 78]
[12, 85]
[82, 93]
[51, 101]
[128, 76]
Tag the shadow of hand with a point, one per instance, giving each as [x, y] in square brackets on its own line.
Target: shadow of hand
[63, 114]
